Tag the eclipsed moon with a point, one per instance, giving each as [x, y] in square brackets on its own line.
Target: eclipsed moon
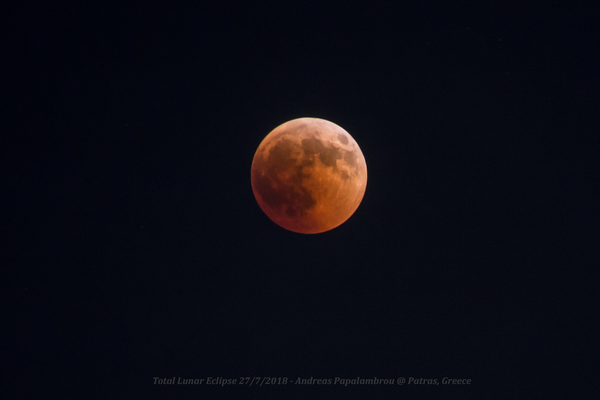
[309, 175]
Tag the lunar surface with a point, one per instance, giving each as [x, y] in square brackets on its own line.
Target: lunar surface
[309, 175]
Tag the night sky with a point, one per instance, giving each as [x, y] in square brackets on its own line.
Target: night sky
[136, 248]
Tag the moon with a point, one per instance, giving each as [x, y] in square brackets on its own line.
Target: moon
[309, 175]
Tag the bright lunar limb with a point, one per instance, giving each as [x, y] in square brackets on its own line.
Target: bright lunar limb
[309, 175]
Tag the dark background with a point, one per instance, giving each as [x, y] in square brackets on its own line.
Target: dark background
[136, 249]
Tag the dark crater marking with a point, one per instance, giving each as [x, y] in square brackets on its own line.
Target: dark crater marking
[327, 155]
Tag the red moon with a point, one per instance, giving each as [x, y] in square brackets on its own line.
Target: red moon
[309, 175]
